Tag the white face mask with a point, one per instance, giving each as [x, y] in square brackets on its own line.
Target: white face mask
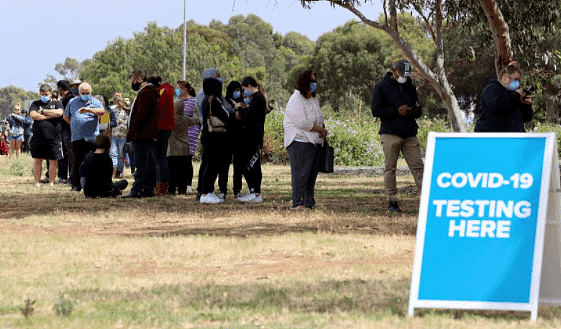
[402, 79]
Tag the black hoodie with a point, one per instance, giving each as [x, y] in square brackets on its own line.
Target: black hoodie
[220, 109]
[388, 96]
[501, 110]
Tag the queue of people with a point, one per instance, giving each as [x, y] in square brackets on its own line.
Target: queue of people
[161, 129]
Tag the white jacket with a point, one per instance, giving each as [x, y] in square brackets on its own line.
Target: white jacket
[300, 115]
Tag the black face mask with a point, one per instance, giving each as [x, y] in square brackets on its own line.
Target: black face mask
[135, 86]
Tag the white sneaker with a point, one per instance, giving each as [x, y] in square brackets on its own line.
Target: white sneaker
[252, 197]
[189, 189]
[222, 196]
[210, 198]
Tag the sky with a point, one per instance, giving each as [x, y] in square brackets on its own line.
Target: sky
[35, 35]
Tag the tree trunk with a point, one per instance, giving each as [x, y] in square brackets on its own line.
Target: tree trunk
[438, 82]
[551, 107]
[501, 34]
[350, 101]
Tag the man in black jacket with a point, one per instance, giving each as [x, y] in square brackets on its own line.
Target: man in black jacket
[504, 105]
[396, 103]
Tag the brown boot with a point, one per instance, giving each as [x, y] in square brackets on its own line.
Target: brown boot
[160, 189]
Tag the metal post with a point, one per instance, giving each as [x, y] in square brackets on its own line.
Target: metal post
[184, 37]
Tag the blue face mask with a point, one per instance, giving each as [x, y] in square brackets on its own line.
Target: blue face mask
[313, 86]
[45, 98]
[178, 92]
[85, 98]
[247, 93]
[247, 100]
[514, 85]
[237, 94]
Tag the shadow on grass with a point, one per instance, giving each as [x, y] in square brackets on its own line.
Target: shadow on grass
[341, 210]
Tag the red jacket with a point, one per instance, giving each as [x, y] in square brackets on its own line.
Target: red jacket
[166, 118]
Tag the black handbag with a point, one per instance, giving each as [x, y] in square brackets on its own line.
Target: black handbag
[326, 157]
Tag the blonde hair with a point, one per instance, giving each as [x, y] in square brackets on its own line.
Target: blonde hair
[511, 68]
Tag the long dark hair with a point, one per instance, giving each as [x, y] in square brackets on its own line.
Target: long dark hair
[187, 86]
[303, 81]
[249, 81]
[232, 86]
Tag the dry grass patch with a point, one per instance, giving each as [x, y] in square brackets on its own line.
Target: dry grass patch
[169, 262]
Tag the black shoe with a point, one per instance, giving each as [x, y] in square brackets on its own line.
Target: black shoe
[394, 207]
[62, 181]
[76, 189]
[45, 180]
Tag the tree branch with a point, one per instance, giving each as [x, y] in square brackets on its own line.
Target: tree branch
[501, 34]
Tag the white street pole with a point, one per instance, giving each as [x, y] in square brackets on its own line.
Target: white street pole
[184, 37]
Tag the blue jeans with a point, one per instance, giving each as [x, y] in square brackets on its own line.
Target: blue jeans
[143, 155]
[116, 152]
[160, 156]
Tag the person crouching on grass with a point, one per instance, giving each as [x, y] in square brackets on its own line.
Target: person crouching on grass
[96, 172]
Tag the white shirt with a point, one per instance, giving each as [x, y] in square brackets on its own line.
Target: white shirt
[300, 115]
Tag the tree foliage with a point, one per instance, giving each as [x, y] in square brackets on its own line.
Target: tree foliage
[10, 95]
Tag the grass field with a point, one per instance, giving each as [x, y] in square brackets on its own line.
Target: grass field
[171, 263]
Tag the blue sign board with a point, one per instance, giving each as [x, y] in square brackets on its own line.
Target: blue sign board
[482, 199]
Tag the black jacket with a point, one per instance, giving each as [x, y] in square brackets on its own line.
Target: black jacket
[253, 118]
[388, 96]
[220, 108]
[97, 168]
[501, 110]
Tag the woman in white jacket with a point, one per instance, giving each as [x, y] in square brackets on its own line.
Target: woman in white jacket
[303, 137]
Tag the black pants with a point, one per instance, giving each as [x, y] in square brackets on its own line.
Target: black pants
[79, 148]
[304, 168]
[251, 162]
[189, 170]
[65, 164]
[128, 149]
[178, 174]
[239, 167]
[215, 158]
[223, 174]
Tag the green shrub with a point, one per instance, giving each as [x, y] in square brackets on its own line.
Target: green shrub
[550, 128]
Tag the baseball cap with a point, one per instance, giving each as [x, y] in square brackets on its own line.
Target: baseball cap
[404, 68]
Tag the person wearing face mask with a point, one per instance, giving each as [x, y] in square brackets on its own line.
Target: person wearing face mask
[396, 103]
[82, 113]
[143, 131]
[504, 106]
[303, 138]
[234, 95]
[46, 140]
[253, 117]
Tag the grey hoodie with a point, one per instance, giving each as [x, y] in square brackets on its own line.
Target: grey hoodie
[208, 73]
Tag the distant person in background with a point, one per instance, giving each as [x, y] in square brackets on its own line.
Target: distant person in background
[16, 131]
[65, 164]
[46, 140]
[396, 103]
[96, 172]
[303, 136]
[119, 137]
[107, 120]
[504, 106]
[82, 114]
[27, 125]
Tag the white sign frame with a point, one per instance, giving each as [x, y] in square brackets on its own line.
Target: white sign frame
[550, 160]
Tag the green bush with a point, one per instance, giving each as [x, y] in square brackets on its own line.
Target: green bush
[550, 128]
